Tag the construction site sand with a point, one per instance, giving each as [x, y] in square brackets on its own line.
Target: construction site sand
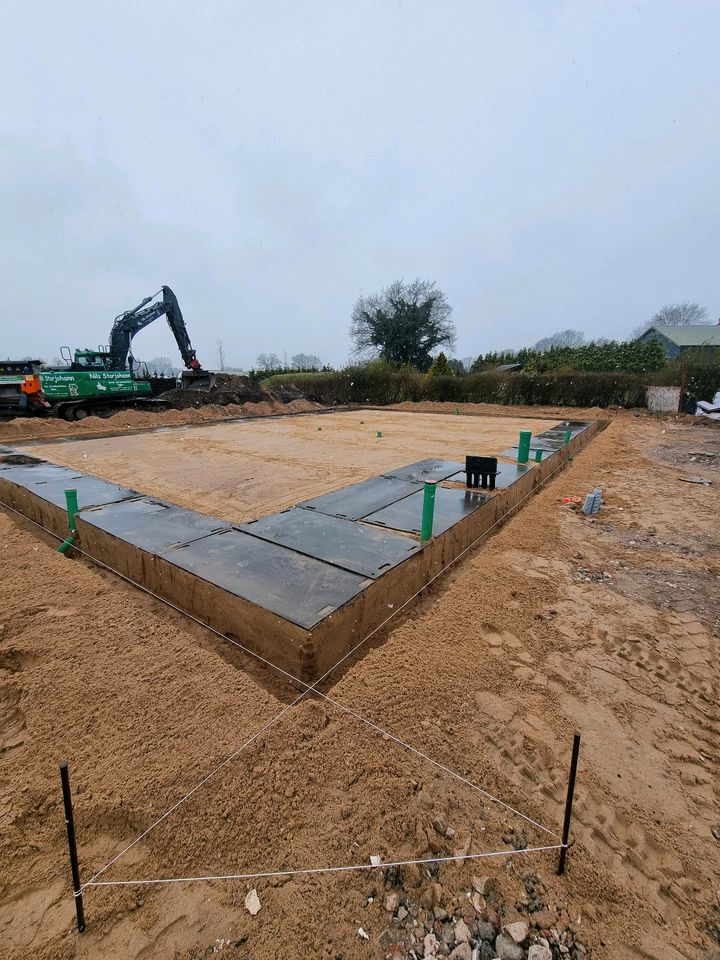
[243, 470]
[30, 428]
[554, 624]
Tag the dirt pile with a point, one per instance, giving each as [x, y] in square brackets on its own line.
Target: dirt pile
[226, 388]
[230, 388]
[22, 428]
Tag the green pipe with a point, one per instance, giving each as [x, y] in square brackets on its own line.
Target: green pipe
[524, 446]
[66, 544]
[71, 502]
[428, 514]
[568, 436]
[538, 456]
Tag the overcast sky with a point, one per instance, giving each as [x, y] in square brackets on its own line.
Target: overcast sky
[549, 164]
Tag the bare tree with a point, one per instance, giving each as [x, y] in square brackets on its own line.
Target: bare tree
[675, 315]
[681, 315]
[163, 367]
[563, 338]
[305, 361]
[221, 355]
[268, 361]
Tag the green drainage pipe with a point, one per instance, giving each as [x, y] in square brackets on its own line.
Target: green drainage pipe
[538, 456]
[524, 446]
[66, 544]
[428, 514]
[71, 503]
[568, 436]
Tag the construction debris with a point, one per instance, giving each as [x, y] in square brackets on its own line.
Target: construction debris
[252, 902]
[592, 502]
[710, 410]
[702, 480]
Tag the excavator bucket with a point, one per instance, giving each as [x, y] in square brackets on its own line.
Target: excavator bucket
[202, 380]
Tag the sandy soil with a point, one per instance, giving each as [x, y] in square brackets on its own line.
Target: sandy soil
[504, 410]
[244, 470]
[32, 428]
[555, 623]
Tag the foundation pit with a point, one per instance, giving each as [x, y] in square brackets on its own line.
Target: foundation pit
[296, 537]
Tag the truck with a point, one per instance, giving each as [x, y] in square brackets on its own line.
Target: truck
[20, 389]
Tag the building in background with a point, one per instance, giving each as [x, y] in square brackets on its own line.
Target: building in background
[678, 339]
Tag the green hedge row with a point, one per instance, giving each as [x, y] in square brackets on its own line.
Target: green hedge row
[631, 356]
[377, 384]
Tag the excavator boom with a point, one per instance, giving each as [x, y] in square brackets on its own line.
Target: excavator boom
[130, 322]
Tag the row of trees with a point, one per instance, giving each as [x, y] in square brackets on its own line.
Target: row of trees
[267, 362]
[406, 323]
[411, 324]
[631, 356]
[672, 315]
[298, 361]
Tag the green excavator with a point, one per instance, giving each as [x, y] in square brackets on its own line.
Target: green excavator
[109, 378]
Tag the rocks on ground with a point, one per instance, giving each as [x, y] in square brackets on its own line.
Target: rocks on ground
[429, 922]
[507, 949]
[252, 902]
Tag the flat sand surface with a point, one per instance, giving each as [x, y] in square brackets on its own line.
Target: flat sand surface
[553, 624]
[243, 470]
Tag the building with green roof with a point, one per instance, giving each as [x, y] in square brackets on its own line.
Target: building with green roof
[678, 339]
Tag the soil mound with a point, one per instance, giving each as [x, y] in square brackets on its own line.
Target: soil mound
[287, 392]
[25, 428]
[227, 388]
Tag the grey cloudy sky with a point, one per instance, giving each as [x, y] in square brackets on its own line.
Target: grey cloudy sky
[549, 164]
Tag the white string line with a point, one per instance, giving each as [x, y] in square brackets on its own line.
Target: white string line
[220, 766]
[243, 746]
[312, 687]
[315, 870]
[266, 726]
[308, 687]
[197, 786]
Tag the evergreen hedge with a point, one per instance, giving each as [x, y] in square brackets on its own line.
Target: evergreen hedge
[377, 383]
[632, 356]
[380, 383]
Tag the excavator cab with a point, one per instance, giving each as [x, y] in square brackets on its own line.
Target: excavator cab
[99, 359]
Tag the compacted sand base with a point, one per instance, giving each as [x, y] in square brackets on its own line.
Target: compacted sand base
[554, 624]
[243, 470]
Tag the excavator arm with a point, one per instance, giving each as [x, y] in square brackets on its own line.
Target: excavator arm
[127, 324]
